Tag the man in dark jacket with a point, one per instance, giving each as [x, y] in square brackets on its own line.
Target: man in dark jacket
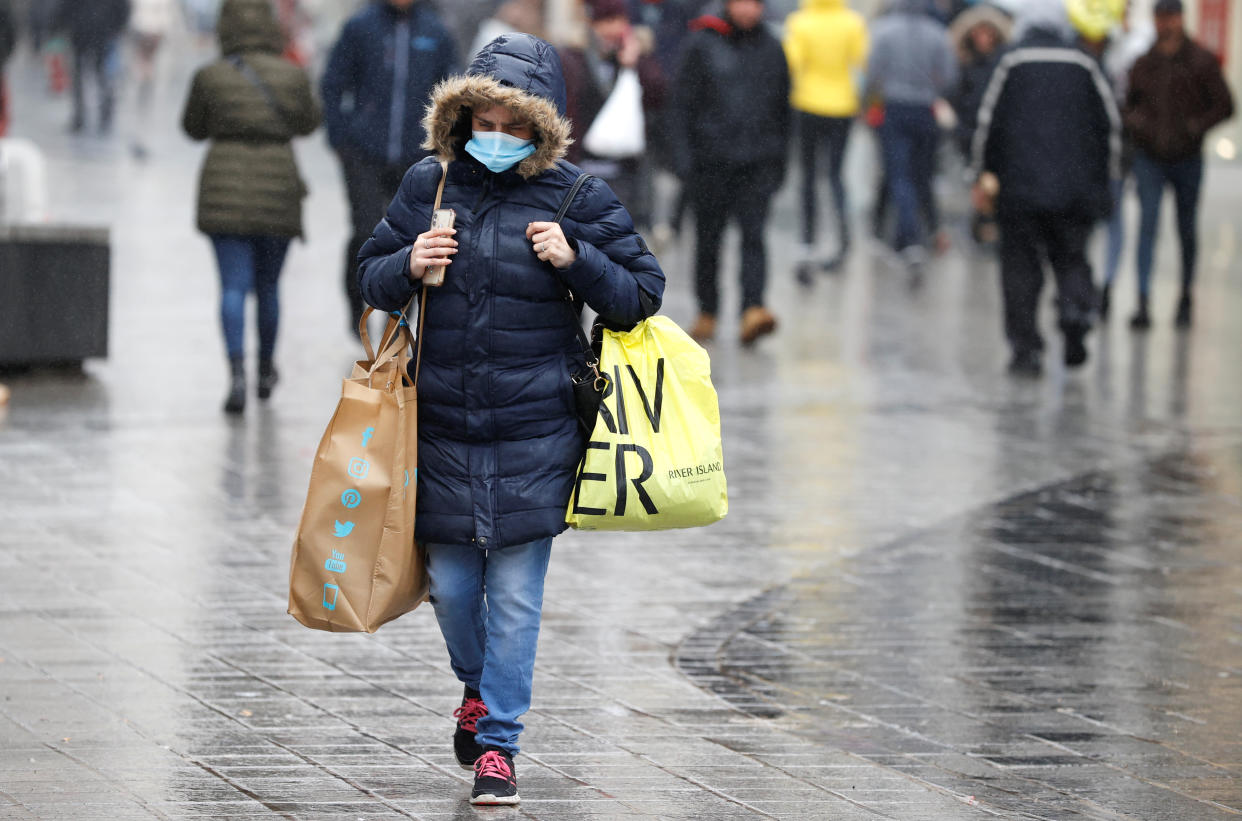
[591, 73]
[1175, 95]
[94, 30]
[375, 90]
[731, 121]
[1049, 132]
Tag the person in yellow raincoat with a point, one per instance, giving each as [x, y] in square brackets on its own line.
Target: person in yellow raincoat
[826, 45]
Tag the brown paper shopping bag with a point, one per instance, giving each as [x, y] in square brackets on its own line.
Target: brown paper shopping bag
[355, 564]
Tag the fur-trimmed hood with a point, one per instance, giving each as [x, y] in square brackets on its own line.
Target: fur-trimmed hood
[518, 71]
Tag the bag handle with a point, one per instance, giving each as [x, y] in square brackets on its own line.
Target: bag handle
[365, 335]
[569, 198]
[422, 303]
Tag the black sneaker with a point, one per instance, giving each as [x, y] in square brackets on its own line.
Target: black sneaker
[1183, 318]
[1106, 302]
[1026, 363]
[495, 780]
[1075, 347]
[268, 377]
[468, 714]
[1141, 320]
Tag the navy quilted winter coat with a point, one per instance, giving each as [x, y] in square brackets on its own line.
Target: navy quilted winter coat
[498, 438]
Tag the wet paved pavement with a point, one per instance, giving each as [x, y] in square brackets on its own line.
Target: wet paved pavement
[939, 594]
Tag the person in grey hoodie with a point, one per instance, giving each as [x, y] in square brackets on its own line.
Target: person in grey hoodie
[911, 66]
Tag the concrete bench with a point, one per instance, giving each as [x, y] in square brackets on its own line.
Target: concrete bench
[53, 293]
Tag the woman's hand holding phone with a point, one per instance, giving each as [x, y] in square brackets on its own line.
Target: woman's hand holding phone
[433, 250]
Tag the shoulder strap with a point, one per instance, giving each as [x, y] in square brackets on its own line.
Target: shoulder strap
[250, 74]
[574, 308]
[569, 198]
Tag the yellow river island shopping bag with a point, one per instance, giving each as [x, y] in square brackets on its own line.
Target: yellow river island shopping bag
[654, 460]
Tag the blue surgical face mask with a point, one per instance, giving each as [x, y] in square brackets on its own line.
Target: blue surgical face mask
[497, 150]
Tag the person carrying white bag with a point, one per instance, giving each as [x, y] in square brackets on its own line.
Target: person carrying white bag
[615, 91]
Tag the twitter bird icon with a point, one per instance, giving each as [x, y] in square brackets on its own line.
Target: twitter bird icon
[343, 530]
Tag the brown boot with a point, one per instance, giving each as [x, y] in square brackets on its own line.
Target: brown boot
[756, 321]
[704, 328]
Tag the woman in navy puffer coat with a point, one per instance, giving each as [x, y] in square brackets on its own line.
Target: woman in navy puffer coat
[499, 441]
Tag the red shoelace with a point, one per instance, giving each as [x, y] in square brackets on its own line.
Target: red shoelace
[493, 765]
[468, 714]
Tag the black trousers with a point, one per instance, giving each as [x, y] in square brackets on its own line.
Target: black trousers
[1027, 240]
[742, 192]
[828, 136]
[370, 189]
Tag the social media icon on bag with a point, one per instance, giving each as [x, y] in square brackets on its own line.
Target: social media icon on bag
[337, 563]
[359, 468]
[343, 530]
[351, 498]
[330, 592]
[367, 435]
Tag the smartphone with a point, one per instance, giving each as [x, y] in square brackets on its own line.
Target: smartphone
[440, 218]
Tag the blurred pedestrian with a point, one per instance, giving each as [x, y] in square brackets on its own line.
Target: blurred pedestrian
[375, 91]
[979, 33]
[826, 45]
[1052, 155]
[94, 30]
[298, 31]
[911, 69]
[731, 120]
[510, 16]
[8, 32]
[669, 23]
[250, 103]
[591, 75]
[1176, 95]
[1126, 45]
[38, 22]
[8, 42]
[499, 444]
[149, 25]
[201, 15]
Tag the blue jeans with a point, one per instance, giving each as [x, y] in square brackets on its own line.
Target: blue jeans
[488, 604]
[246, 264]
[909, 137]
[1186, 177]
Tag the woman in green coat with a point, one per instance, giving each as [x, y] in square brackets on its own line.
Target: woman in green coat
[250, 103]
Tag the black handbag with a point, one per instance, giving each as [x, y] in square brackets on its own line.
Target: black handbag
[589, 384]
